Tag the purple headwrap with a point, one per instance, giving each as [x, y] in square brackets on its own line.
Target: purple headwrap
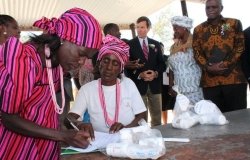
[75, 25]
[113, 45]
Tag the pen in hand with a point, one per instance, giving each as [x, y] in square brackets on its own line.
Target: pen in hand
[77, 129]
[73, 125]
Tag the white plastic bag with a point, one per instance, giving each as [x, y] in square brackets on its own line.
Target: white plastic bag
[218, 119]
[150, 148]
[209, 113]
[181, 105]
[183, 118]
[140, 142]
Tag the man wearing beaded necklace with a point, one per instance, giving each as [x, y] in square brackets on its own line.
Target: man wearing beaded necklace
[113, 102]
[218, 44]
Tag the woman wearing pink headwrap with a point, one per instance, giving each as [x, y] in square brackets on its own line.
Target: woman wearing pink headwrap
[30, 76]
[113, 101]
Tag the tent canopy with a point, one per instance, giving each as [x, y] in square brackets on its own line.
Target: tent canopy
[121, 12]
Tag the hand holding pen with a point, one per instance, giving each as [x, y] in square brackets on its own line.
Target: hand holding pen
[75, 137]
[73, 125]
[87, 127]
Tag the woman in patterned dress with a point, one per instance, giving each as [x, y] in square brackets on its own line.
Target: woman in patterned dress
[184, 72]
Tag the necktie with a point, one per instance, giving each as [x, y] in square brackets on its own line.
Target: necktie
[145, 49]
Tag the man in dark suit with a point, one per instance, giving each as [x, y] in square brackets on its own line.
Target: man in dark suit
[146, 55]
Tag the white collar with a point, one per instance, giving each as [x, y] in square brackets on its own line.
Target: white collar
[141, 40]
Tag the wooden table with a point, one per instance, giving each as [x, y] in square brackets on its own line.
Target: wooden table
[208, 142]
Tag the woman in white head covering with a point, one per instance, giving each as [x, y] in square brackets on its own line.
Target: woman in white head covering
[184, 72]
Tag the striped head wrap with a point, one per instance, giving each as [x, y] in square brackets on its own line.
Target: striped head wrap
[75, 25]
[113, 45]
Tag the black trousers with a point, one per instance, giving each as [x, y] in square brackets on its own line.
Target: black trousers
[227, 97]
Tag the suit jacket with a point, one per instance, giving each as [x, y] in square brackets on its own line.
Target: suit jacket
[155, 62]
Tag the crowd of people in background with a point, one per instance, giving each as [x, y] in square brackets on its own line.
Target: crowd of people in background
[120, 81]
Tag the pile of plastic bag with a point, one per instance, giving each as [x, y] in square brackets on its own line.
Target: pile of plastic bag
[138, 143]
[203, 112]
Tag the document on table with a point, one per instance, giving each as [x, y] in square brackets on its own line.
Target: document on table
[101, 141]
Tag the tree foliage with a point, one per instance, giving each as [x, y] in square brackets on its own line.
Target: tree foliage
[162, 29]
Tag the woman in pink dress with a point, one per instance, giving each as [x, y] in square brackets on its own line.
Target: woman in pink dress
[31, 74]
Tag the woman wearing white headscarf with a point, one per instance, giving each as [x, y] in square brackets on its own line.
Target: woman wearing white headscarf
[184, 72]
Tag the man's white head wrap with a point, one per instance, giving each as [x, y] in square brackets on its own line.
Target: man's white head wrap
[182, 21]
